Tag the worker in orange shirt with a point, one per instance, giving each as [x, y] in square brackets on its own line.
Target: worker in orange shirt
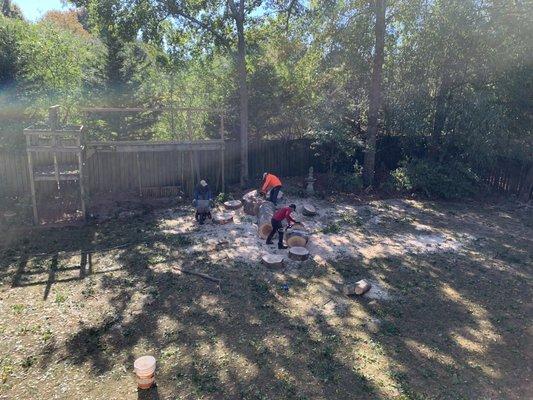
[273, 183]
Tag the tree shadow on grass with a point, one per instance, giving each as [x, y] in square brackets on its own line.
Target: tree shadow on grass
[454, 327]
[233, 342]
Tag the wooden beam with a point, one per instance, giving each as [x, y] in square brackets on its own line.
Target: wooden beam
[82, 180]
[222, 155]
[54, 178]
[139, 176]
[32, 185]
[69, 130]
[148, 146]
[53, 117]
[50, 149]
[143, 109]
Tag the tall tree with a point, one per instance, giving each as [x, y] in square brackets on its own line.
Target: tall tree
[375, 93]
[10, 10]
[225, 21]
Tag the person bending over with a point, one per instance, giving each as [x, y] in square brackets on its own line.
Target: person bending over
[277, 219]
[202, 201]
[273, 183]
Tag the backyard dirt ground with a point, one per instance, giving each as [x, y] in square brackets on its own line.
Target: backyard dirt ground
[448, 317]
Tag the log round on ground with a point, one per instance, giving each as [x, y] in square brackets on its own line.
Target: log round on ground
[359, 288]
[233, 204]
[309, 210]
[272, 260]
[251, 202]
[223, 218]
[264, 216]
[298, 253]
[296, 238]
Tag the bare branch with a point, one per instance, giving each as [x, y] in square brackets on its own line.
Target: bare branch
[180, 13]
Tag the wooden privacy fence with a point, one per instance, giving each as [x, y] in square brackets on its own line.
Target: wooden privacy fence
[510, 176]
[113, 172]
[108, 171]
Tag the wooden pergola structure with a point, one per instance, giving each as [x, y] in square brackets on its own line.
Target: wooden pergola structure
[138, 146]
[55, 139]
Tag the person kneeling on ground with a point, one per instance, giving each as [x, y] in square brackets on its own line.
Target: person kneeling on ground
[273, 183]
[277, 219]
[202, 201]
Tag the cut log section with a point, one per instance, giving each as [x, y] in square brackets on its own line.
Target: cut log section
[251, 202]
[298, 253]
[359, 288]
[233, 204]
[298, 226]
[296, 237]
[223, 218]
[272, 260]
[309, 210]
[264, 216]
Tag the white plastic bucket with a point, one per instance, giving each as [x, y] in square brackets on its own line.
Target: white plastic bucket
[144, 368]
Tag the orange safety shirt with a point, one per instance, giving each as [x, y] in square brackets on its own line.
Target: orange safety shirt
[271, 181]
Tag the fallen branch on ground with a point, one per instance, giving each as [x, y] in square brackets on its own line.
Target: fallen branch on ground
[201, 275]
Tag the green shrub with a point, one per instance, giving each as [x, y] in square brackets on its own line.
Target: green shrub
[447, 180]
[352, 182]
[332, 228]
[223, 197]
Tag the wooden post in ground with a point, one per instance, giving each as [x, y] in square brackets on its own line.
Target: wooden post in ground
[139, 176]
[32, 181]
[53, 121]
[222, 154]
[191, 152]
[81, 173]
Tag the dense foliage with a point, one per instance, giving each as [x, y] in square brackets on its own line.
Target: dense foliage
[457, 75]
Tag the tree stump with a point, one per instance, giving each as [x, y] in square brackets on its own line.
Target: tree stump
[233, 204]
[298, 253]
[251, 202]
[359, 288]
[264, 216]
[309, 210]
[272, 260]
[223, 218]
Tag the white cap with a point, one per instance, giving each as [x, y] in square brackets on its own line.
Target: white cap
[265, 175]
[203, 183]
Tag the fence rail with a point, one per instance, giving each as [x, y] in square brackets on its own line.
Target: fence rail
[117, 172]
[112, 172]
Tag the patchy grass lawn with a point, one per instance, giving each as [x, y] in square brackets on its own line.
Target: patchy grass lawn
[449, 316]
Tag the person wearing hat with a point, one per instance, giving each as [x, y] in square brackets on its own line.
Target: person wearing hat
[273, 183]
[202, 201]
[277, 219]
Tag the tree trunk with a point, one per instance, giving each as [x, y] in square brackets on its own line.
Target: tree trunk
[243, 96]
[439, 119]
[527, 186]
[251, 202]
[264, 226]
[375, 94]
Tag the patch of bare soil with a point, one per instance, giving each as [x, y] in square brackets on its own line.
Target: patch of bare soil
[448, 315]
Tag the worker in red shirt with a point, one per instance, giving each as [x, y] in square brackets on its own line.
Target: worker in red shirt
[273, 183]
[277, 219]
